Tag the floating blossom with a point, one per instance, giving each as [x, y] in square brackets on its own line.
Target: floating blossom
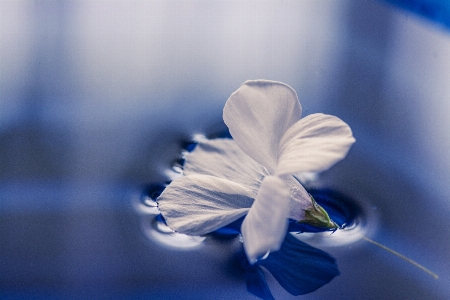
[254, 174]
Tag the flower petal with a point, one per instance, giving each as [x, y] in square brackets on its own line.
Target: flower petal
[223, 158]
[300, 200]
[314, 144]
[265, 225]
[258, 114]
[199, 204]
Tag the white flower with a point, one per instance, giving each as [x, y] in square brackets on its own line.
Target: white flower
[252, 174]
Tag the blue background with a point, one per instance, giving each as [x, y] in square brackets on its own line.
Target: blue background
[96, 98]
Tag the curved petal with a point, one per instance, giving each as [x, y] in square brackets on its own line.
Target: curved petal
[314, 144]
[258, 114]
[300, 200]
[199, 204]
[265, 225]
[223, 158]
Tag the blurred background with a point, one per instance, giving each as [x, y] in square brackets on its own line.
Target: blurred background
[96, 98]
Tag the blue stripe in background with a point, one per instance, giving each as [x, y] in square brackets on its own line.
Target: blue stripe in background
[435, 10]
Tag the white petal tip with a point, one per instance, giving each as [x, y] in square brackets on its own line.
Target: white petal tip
[264, 228]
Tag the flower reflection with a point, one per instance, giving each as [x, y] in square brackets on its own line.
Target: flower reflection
[298, 268]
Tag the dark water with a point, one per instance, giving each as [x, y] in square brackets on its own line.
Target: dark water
[96, 100]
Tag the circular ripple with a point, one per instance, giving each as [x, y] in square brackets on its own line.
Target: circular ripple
[153, 224]
[156, 230]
